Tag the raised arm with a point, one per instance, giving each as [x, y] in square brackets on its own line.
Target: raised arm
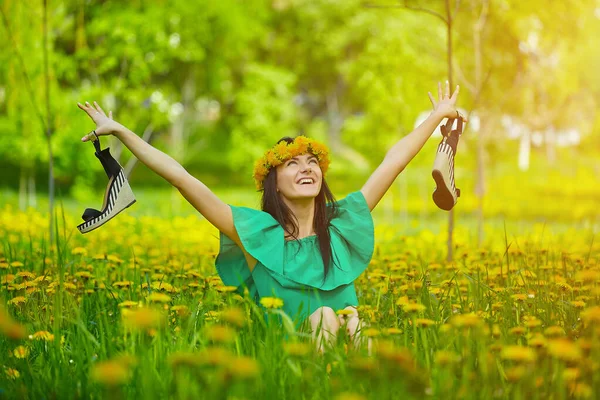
[398, 157]
[195, 192]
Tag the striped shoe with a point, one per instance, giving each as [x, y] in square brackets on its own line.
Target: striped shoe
[446, 194]
[117, 197]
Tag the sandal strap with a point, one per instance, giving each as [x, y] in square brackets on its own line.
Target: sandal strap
[90, 213]
[110, 165]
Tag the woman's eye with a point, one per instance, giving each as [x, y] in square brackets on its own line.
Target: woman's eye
[290, 163]
[313, 160]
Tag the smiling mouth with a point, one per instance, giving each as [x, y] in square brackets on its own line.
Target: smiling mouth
[306, 182]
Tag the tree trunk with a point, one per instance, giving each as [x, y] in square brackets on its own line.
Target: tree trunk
[49, 126]
[22, 190]
[480, 176]
[32, 202]
[449, 255]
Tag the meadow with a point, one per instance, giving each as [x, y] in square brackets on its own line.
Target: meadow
[136, 310]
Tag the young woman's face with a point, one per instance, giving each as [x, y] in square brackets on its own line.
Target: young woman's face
[293, 176]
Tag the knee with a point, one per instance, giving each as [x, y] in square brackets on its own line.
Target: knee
[326, 315]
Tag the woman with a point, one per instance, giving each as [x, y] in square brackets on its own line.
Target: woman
[304, 247]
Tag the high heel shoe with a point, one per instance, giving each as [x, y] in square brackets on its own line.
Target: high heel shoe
[446, 194]
[117, 196]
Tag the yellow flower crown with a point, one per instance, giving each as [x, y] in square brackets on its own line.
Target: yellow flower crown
[283, 151]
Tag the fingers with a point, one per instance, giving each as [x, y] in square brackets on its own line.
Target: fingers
[110, 115]
[447, 91]
[99, 108]
[431, 99]
[455, 94]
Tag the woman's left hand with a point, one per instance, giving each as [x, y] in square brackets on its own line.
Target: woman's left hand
[446, 104]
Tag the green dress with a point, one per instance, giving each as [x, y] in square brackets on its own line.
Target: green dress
[293, 270]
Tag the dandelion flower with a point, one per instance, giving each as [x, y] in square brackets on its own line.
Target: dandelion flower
[518, 354]
[12, 373]
[297, 349]
[564, 350]
[17, 301]
[220, 333]
[271, 302]
[43, 335]
[243, 368]
[159, 297]
[226, 289]
[110, 373]
[349, 396]
[444, 357]
[234, 316]
[413, 308]
[424, 322]
[142, 318]
[21, 352]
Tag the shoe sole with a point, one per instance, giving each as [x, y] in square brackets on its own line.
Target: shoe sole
[118, 200]
[442, 196]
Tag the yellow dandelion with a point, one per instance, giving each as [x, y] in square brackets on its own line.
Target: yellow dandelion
[578, 304]
[43, 335]
[110, 373]
[21, 352]
[444, 357]
[345, 312]
[393, 331]
[215, 356]
[243, 368]
[349, 396]
[297, 349]
[571, 374]
[12, 373]
[181, 310]
[591, 315]
[143, 318]
[564, 350]
[515, 374]
[519, 297]
[16, 264]
[554, 331]
[17, 301]
[155, 297]
[413, 308]
[220, 333]
[226, 289]
[26, 275]
[580, 390]
[371, 332]
[79, 251]
[469, 320]
[518, 354]
[128, 304]
[424, 322]
[123, 284]
[531, 322]
[518, 331]
[537, 342]
[234, 316]
[271, 302]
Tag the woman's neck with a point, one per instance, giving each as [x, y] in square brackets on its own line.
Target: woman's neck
[304, 210]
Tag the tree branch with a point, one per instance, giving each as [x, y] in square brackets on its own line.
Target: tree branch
[408, 7]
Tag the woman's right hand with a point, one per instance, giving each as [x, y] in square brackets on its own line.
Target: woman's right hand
[105, 125]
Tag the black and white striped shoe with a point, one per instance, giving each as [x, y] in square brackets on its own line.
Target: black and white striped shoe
[117, 197]
[446, 194]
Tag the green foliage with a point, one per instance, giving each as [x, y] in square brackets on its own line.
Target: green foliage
[219, 82]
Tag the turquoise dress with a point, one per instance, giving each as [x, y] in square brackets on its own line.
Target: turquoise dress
[293, 270]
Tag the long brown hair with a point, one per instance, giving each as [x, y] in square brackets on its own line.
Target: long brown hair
[274, 205]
